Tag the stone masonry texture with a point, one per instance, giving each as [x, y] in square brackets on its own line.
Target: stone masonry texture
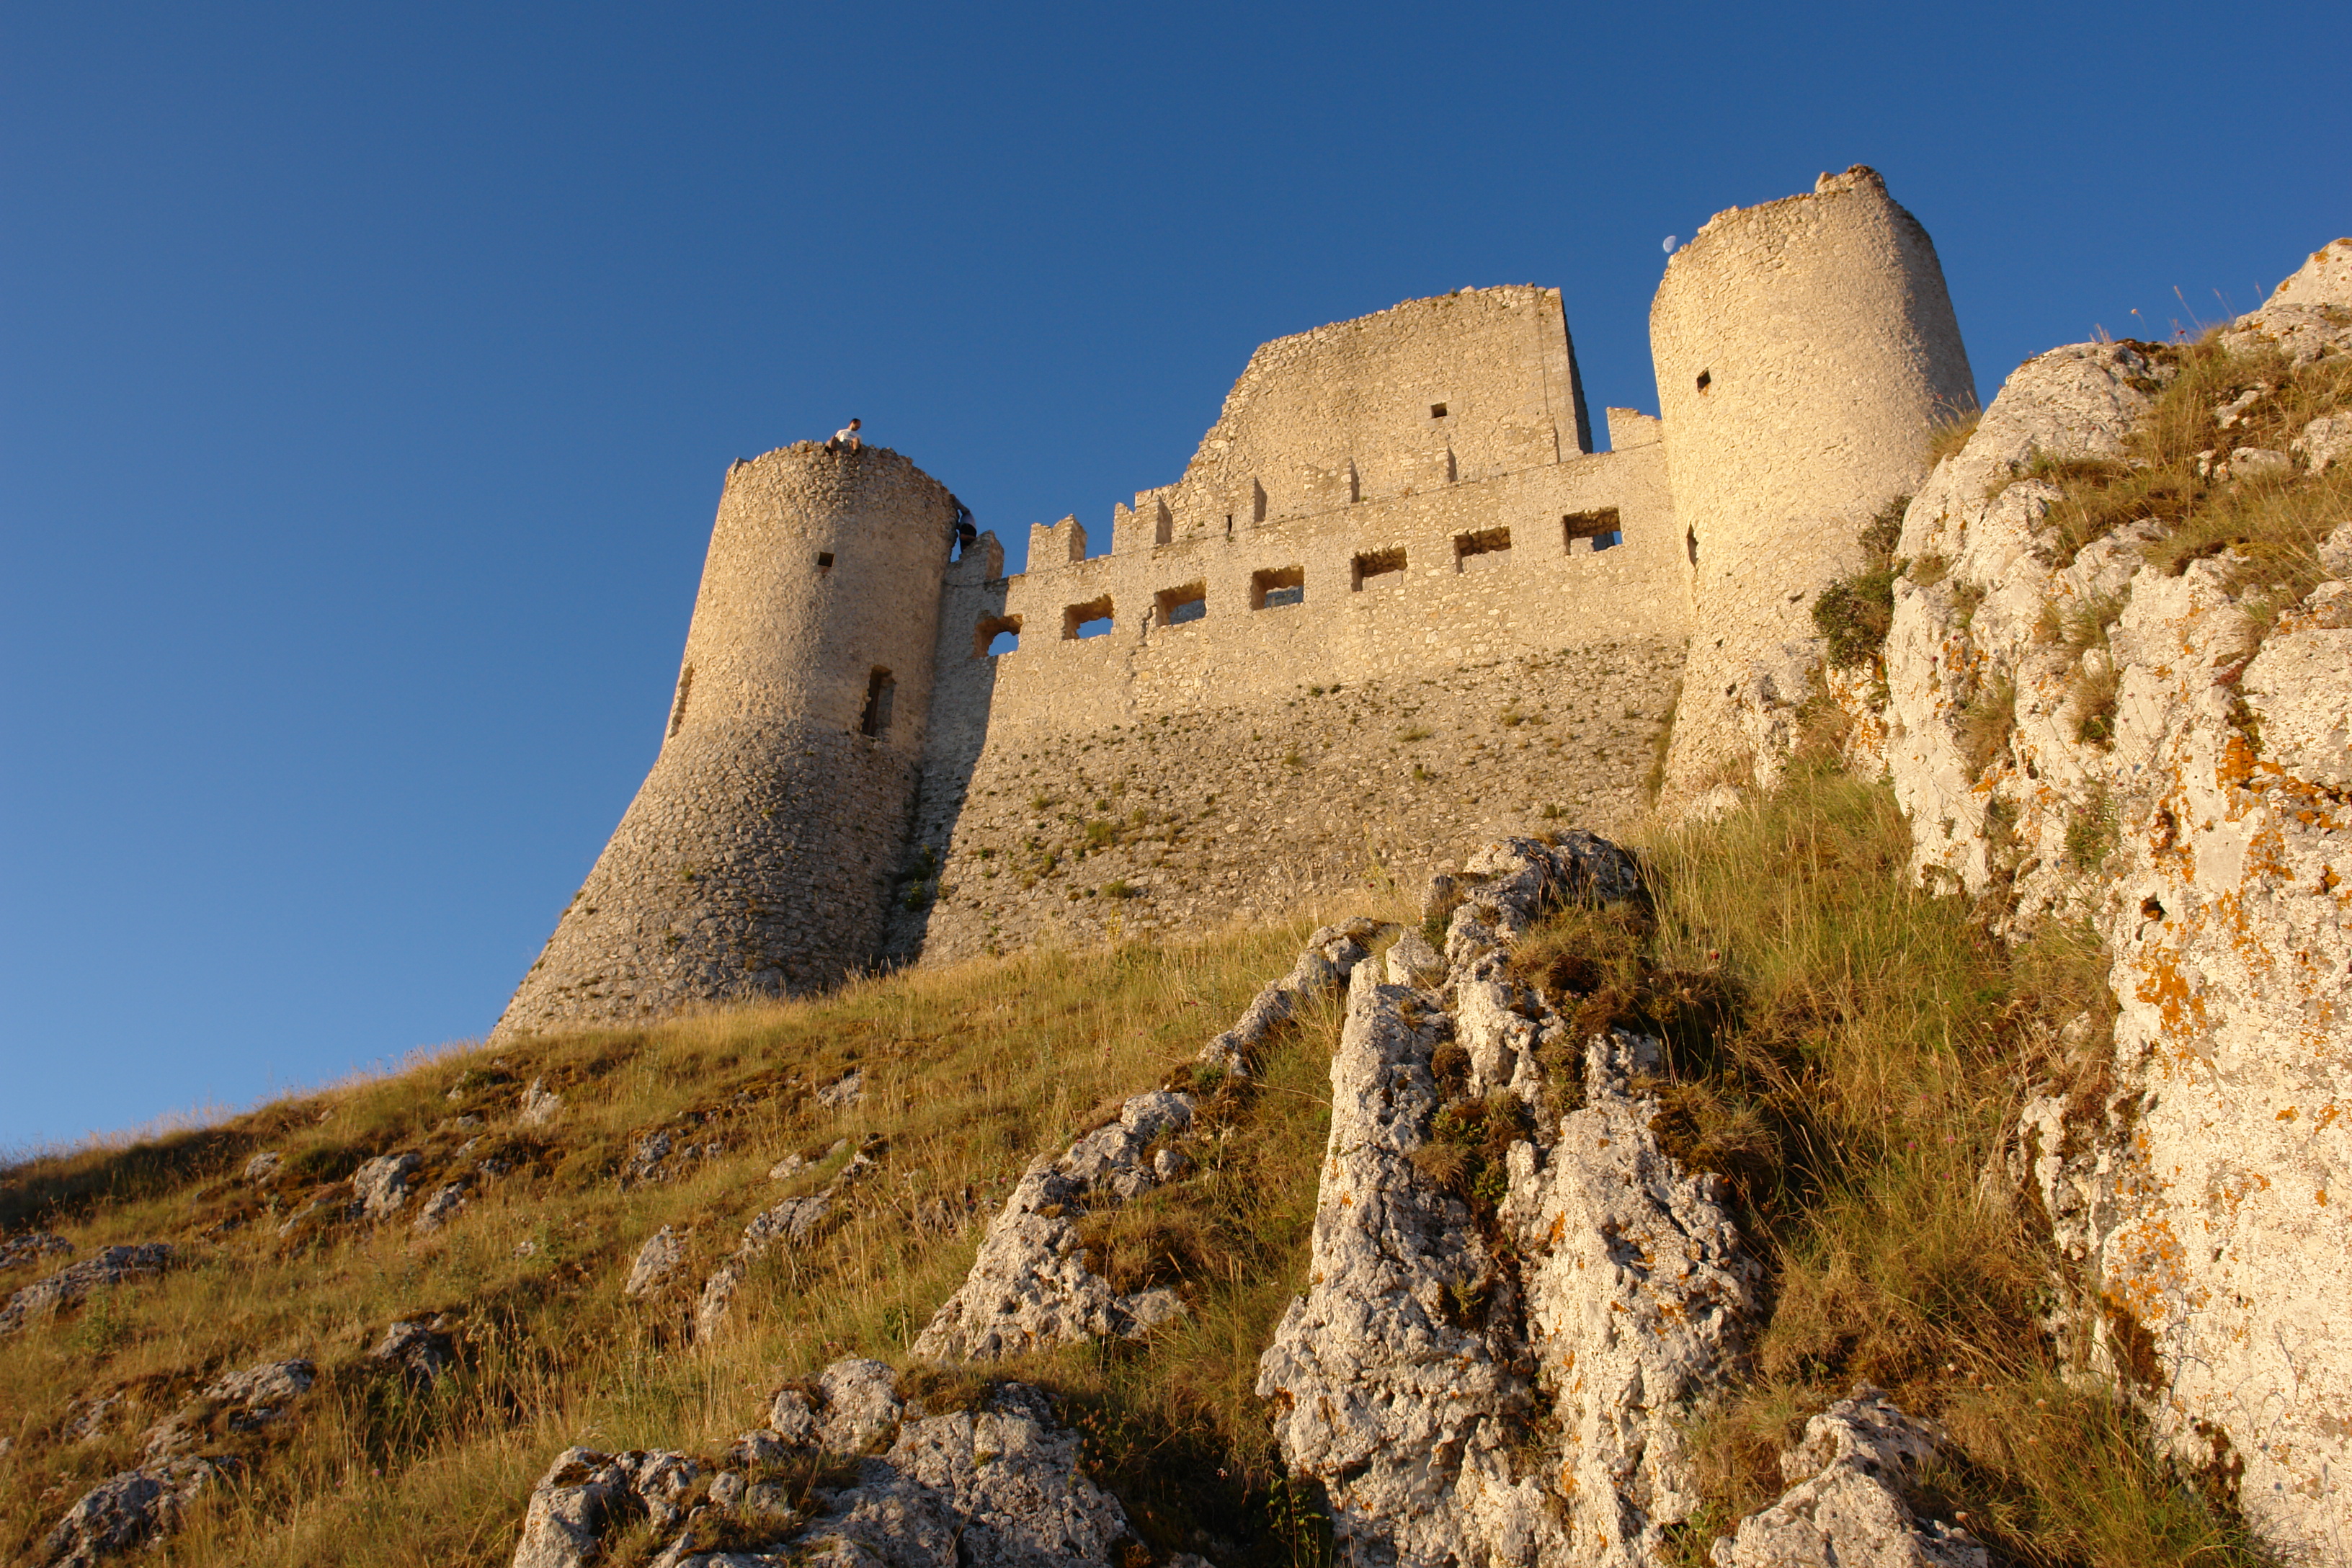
[1186, 817]
[756, 855]
[1804, 351]
[1396, 604]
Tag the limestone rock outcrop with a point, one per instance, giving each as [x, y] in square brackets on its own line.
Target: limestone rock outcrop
[135, 1508]
[1847, 1507]
[586, 1492]
[31, 1246]
[1322, 969]
[2191, 1173]
[124, 1513]
[791, 1221]
[993, 1487]
[242, 1401]
[660, 1256]
[1031, 1286]
[67, 1286]
[380, 1186]
[1497, 1376]
[1030, 1289]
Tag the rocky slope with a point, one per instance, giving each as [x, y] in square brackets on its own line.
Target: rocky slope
[2100, 706]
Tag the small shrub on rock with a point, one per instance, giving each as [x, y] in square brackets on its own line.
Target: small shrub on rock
[1853, 614]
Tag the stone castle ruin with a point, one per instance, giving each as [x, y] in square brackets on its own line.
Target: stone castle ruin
[1395, 605]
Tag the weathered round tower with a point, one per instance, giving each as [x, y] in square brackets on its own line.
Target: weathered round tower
[756, 857]
[1805, 350]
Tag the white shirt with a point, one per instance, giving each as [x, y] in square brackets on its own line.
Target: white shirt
[845, 434]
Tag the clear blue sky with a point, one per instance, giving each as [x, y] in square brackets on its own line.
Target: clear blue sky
[367, 374]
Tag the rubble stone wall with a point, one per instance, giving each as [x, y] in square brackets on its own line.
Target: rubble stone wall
[1190, 816]
[1393, 562]
[757, 856]
[1804, 349]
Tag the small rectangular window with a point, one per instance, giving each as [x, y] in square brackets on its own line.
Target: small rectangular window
[996, 635]
[1486, 548]
[879, 691]
[825, 560]
[1091, 619]
[1589, 531]
[1181, 606]
[1438, 411]
[1278, 586]
[1377, 563]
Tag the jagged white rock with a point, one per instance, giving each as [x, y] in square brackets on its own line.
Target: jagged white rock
[1636, 1295]
[441, 1207]
[585, 1492]
[250, 1399]
[539, 1105]
[998, 1486]
[68, 1286]
[31, 1246]
[1412, 1374]
[2193, 1189]
[1030, 1287]
[661, 1256]
[2324, 442]
[1391, 1393]
[380, 1186]
[123, 1513]
[1322, 968]
[1848, 1507]
[794, 1220]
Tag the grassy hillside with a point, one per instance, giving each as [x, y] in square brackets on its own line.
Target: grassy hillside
[1844, 1051]
[968, 1073]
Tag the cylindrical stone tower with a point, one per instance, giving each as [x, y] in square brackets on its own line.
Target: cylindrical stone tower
[755, 859]
[1804, 351]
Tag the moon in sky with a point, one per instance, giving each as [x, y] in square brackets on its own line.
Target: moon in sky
[1669, 247]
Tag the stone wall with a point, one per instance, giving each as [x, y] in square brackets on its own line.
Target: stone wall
[1251, 809]
[1466, 385]
[757, 856]
[1465, 572]
[1804, 349]
[1394, 606]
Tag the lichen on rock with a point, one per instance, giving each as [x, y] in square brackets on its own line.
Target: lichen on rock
[1502, 1380]
[996, 1486]
[2197, 819]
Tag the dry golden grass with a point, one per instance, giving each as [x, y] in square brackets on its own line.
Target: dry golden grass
[970, 1073]
[1846, 1051]
[2273, 523]
[1947, 436]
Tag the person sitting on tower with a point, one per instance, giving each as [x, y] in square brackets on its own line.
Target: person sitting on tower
[845, 438]
[967, 533]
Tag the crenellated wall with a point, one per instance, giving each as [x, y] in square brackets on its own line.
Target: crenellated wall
[1395, 601]
[1530, 622]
